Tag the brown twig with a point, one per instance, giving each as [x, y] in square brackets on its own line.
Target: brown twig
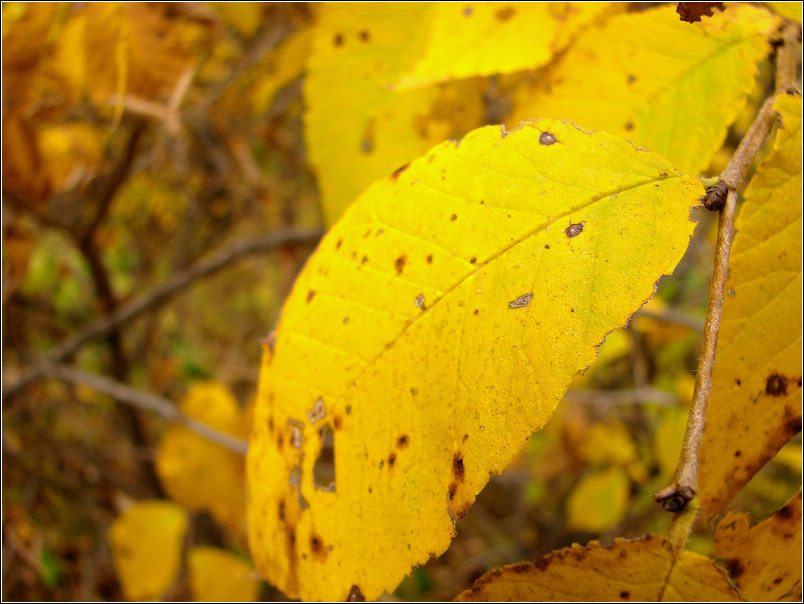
[159, 295]
[145, 401]
[684, 486]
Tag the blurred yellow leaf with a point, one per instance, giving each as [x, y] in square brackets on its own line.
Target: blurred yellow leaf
[358, 130]
[675, 88]
[218, 575]
[639, 570]
[437, 326]
[72, 153]
[764, 560]
[608, 443]
[146, 545]
[755, 405]
[484, 38]
[598, 501]
[788, 10]
[282, 66]
[668, 438]
[243, 17]
[198, 473]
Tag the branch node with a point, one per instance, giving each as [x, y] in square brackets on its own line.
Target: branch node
[715, 197]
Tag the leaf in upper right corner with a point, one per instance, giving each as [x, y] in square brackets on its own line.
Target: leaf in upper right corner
[788, 10]
[755, 405]
[672, 87]
[644, 569]
[764, 560]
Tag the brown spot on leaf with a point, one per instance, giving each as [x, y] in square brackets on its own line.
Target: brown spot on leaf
[738, 381]
[465, 437]
[691, 12]
[477, 311]
[414, 392]
[391, 460]
[624, 595]
[399, 263]
[541, 563]
[735, 568]
[776, 385]
[452, 489]
[472, 260]
[786, 512]
[280, 441]
[403, 441]
[355, 595]
[282, 511]
[399, 171]
[631, 78]
[738, 453]
[629, 126]
[430, 259]
[339, 244]
[310, 295]
[337, 40]
[457, 466]
[573, 230]
[467, 11]
[271, 423]
[454, 217]
[365, 35]
[337, 422]
[520, 568]
[547, 138]
[504, 14]
[461, 512]
[317, 547]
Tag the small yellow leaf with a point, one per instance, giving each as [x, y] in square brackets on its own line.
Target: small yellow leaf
[436, 327]
[146, 545]
[598, 501]
[608, 443]
[218, 575]
[764, 560]
[668, 439]
[755, 405]
[788, 10]
[674, 89]
[198, 473]
[629, 570]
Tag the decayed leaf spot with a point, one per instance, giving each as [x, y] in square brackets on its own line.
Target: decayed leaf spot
[310, 295]
[547, 138]
[691, 12]
[454, 217]
[296, 433]
[402, 441]
[573, 230]
[324, 468]
[635, 232]
[521, 302]
[365, 35]
[318, 549]
[399, 171]
[318, 412]
[355, 595]
[419, 302]
[776, 385]
[399, 263]
[504, 14]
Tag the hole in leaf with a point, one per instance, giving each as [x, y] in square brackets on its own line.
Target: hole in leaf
[324, 467]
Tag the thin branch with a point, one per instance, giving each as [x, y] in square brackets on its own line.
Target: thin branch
[145, 401]
[160, 294]
[633, 396]
[684, 486]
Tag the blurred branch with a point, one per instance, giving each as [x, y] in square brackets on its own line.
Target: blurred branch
[674, 317]
[145, 401]
[633, 396]
[723, 197]
[160, 294]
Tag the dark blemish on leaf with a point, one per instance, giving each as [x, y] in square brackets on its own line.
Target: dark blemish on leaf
[521, 302]
[365, 35]
[317, 545]
[310, 295]
[403, 441]
[355, 595]
[467, 11]
[572, 310]
[778, 580]
[291, 537]
[271, 423]
[414, 392]
[785, 512]
[738, 453]
[477, 311]
[345, 320]
[391, 460]
[629, 126]
[457, 466]
[547, 247]
[691, 12]
[399, 263]
[399, 171]
[382, 464]
[338, 245]
[541, 563]
[776, 385]
[735, 568]
[452, 489]
[631, 79]
[792, 420]
[324, 465]
[624, 595]
[547, 138]
[460, 513]
[282, 511]
[430, 259]
[337, 422]
[317, 412]
[366, 145]
[573, 230]
[738, 381]
[472, 260]
[520, 568]
[338, 40]
[505, 14]
[348, 409]
[454, 217]
[465, 437]
[280, 441]
[419, 301]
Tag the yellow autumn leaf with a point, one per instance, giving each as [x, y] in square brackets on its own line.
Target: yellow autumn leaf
[146, 543]
[608, 443]
[674, 89]
[668, 438]
[788, 10]
[764, 560]
[629, 570]
[281, 66]
[200, 474]
[598, 501]
[755, 405]
[218, 575]
[357, 130]
[484, 38]
[436, 327]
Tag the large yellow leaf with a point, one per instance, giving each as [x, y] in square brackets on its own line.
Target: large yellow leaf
[674, 87]
[146, 545]
[200, 474]
[755, 405]
[640, 570]
[358, 130]
[764, 560]
[438, 324]
[484, 38]
[217, 575]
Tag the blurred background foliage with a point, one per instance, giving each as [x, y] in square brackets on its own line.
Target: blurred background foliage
[139, 140]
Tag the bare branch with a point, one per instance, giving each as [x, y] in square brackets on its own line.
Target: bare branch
[145, 401]
[160, 294]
